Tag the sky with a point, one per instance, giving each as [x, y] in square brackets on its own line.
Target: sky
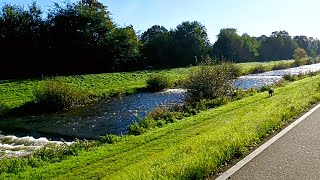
[254, 17]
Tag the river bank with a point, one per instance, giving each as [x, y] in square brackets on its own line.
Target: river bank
[192, 147]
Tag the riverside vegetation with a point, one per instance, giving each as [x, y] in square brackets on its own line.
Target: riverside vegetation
[189, 148]
[182, 142]
[16, 93]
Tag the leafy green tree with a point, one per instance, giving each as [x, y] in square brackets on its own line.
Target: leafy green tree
[22, 38]
[279, 45]
[20, 28]
[233, 47]
[309, 44]
[152, 33]
[86, 24]
[125, 49]
[156, 48]
[191, 44]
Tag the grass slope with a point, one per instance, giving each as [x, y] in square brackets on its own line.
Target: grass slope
[192, 147]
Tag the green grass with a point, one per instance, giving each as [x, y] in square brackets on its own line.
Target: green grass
[14, 93]
[190, 148]
[248, 67]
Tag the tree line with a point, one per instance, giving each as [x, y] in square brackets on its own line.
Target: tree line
[81, 37]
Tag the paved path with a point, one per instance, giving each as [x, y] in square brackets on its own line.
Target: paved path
[294, 155]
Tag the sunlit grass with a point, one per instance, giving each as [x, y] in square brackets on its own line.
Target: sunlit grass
[14, 93]
[190, 148]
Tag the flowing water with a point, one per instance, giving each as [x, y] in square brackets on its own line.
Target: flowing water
[112, 116]
[89, 122]
[258, 80]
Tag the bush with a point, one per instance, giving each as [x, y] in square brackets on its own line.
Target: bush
[240, 93]
[210, 81]
[265, 88]
[108, 139]
[158, 82]
[300, 62]
[282, 65]
[289, 77]
[258, 69]
[299, 54]
[313, 60]
[57, 95]
[136, 129]
[235, 71]
[180, 83]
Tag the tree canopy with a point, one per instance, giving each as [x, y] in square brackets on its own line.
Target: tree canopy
[81, 37]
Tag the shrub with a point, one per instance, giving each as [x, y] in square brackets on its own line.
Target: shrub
[300, 62]
[210, 81]
[158, 82]
[180, 83]
[136, 129]
[288, 77]
[265, 88]
[299, 54]
[258, 69]
[58, 95]
[282, 65]
[240, 93]
[108, 139]
[235, 71]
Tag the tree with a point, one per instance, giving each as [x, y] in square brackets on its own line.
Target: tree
[191, 44]
[279, 45]
[233, 47]
[225, 46]
[125, 49]
[20, 28]
[22, 36]
[152, 33]
[309, 44]
[86, 24]
[156, 46]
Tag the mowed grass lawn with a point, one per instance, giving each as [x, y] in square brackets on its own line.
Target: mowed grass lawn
[192, 147]
[14, 93]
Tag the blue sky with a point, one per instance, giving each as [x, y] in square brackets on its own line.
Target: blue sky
[254, 17]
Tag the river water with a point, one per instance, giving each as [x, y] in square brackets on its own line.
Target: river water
[23, 135]
[258, 80]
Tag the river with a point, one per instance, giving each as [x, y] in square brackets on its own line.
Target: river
[26, 134]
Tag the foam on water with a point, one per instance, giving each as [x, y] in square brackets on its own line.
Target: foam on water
[179, 90]
[13, 146]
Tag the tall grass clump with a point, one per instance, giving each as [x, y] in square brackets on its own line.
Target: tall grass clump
[158, 82]
[210, 81]
[57, 95]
